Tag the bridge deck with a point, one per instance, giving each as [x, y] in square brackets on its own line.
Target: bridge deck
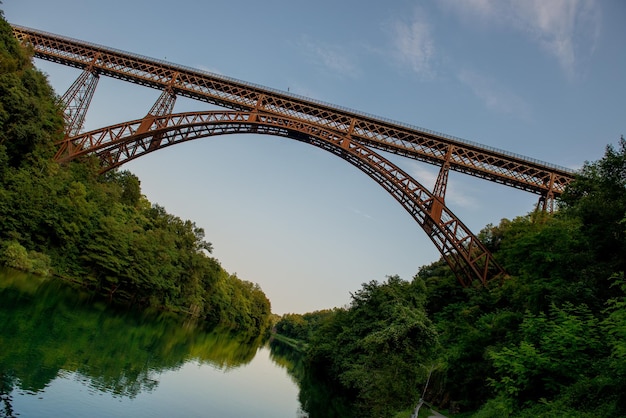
[402, 139]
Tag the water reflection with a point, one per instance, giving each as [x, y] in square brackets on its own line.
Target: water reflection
[317, 399]
[55, 341]
[64, 353]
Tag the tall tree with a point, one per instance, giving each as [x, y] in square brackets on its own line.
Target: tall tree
[598, 198]
[30, 118]
[378, 348]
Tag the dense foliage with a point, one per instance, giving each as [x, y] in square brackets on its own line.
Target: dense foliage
[549, 341]
[99, 230]
[373, 350]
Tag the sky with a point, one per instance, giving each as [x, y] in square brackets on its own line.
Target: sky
[541, 78]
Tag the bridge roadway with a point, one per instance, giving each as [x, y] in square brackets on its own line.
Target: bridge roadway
[471, 158]
[349, 134]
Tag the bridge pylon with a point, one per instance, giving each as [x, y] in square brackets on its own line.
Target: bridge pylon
[546, 199]
[76, 100]
[546, 203]
[163, 106]
[439, 191]
[149, 128]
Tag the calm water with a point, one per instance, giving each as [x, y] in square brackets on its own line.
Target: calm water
[61, 354]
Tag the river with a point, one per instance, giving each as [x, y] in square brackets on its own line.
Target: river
[64, 354]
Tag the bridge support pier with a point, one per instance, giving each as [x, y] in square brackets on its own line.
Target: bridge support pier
[546, 200]
[163, 106]
[439, 191]
[76, 101]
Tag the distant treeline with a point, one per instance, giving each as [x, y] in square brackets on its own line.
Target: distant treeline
[548, 341]
[99, 230]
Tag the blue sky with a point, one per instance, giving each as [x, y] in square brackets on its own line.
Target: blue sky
[541, 78]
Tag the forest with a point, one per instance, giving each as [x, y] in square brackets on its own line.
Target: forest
[547, 341]
[99, 231]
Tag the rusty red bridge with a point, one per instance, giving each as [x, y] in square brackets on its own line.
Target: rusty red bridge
[250, 108]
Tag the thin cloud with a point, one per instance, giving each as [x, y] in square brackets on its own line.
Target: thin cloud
[566, 29]
[425, 174]
[361, 213]
[495, 96]
[413, 44]
[331, 57]
[456, 197]
[476, 9]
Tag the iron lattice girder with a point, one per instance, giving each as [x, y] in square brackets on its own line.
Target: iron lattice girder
[413, 142]
[115, 145]
[76, 101]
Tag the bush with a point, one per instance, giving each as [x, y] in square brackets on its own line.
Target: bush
[15, 256]
[40, 263]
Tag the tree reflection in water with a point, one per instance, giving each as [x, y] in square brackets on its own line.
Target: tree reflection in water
[48, 328]
[317, 399]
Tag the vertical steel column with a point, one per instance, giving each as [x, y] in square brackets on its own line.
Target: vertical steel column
[151, 123]
[439, 190]
[164, 104]
[442, 181]
[76, 101]
[546, 200]
[162, 107]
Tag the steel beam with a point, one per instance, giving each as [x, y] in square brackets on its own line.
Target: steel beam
[77, 99]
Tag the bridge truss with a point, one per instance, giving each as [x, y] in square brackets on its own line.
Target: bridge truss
[346, 133]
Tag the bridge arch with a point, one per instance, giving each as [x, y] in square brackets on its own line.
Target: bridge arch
[118, 144]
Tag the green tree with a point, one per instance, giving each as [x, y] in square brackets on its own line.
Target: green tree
[15, 256]
[556, 350]
[377, 348]
[598, 198]
[293, 326]
[614, 328]
[30, 118]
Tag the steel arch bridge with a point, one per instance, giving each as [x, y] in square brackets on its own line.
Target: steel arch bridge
[250, 108]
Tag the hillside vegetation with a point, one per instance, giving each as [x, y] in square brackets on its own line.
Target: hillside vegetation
[548, 341]
[99, 230]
